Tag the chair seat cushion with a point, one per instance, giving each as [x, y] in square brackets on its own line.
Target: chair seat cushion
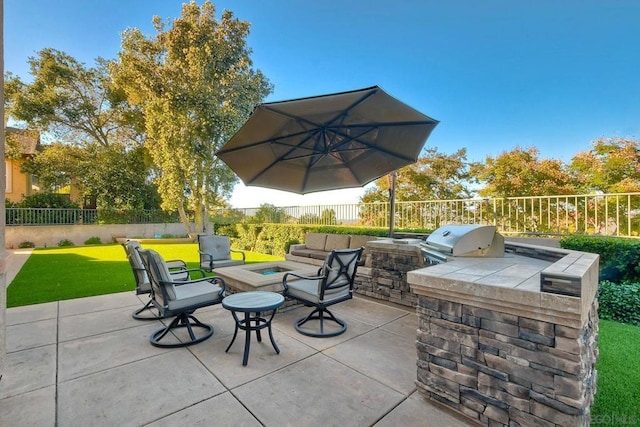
[179, 274]
[308, 290]
[195, 294]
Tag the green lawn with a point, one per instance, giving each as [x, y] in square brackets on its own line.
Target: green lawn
[618, 396]
[64, 273]
[56, 274]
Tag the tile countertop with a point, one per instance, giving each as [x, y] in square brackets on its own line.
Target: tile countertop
[511, 284]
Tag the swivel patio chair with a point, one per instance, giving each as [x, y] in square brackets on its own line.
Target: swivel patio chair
[180, 299]
[332, 285]
[177, 268]
[215, 252]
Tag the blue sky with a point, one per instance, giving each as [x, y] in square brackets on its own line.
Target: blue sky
[497, 74]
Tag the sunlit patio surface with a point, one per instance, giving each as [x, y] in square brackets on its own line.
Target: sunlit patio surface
[88, 362]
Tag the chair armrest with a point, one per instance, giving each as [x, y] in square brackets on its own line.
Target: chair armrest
[176, 263]
[299, 276]
[239, 252]
[205, 257]
[209, 257]
[211, 279]
[193, 270]
[297, 246]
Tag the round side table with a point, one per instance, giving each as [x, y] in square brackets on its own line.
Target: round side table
[253, 304]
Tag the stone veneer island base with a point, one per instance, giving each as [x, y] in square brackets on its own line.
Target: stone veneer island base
[493, 347]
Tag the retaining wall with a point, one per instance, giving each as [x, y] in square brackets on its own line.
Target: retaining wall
[50, 235]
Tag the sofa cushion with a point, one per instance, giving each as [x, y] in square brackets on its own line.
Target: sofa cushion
[299, 252]
[309, 253]
[336, 241]
[315, 241]
[360, 240]
[317, 254]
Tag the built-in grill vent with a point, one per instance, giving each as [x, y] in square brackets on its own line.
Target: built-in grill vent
[462, 241]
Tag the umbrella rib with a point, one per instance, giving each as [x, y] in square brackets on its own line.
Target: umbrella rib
[349, 138]
[284, 156]
[276, 140]
[332, 136]
[346, 111]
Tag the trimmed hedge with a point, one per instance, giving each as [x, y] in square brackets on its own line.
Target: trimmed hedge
[619, 287]
[275, 239]
[619, 302]
[619, 257]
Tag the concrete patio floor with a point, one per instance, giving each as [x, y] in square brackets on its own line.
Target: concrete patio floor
[87, 362]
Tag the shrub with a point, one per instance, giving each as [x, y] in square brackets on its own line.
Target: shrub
[619, 257]
[65, 242]
[92, 241]
[26, 244]
[619, 302]
[275, 239]
[47, 200]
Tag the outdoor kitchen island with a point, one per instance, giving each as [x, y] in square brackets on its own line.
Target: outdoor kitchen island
[510, 340]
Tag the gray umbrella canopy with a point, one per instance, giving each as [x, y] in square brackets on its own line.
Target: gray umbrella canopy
[327, 142]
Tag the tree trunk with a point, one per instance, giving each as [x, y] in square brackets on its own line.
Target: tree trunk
[184, 218]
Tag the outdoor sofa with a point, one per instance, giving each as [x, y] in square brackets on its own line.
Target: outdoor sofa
[317, 246]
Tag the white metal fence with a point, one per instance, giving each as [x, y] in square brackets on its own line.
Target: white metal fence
[66, 216]
[606, 214]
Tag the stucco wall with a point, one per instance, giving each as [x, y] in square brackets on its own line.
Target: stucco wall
[18, 184]
[50, 235]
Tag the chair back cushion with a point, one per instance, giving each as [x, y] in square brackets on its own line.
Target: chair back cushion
[219, 247]
[132, 247]
[340, 270]
[161, 281]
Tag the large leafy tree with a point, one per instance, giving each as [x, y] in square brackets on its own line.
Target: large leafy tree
[98, 147]
[612, 165]
[114, 176]
[435, 175]
[194, 84]
[521, 172]
[69, 101]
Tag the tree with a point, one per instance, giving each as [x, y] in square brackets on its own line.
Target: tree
[98, 148]
[612, 165]
[114, 176]
[520, 172]
[194, 85]
[434, 176]
[56, 165]
[69, 101]
[269, 213]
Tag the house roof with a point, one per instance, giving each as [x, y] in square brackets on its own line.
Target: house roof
[24, 141]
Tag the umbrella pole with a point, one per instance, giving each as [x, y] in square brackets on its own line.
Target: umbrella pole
[392, 202]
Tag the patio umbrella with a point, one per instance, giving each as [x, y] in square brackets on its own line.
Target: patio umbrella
[327, 142]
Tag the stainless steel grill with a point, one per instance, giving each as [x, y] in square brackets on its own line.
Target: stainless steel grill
[462, 241]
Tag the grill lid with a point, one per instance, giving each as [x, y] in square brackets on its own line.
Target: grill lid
[458, 240]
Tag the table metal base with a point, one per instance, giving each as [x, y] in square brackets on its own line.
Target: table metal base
[255, 306]
[246, 325]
